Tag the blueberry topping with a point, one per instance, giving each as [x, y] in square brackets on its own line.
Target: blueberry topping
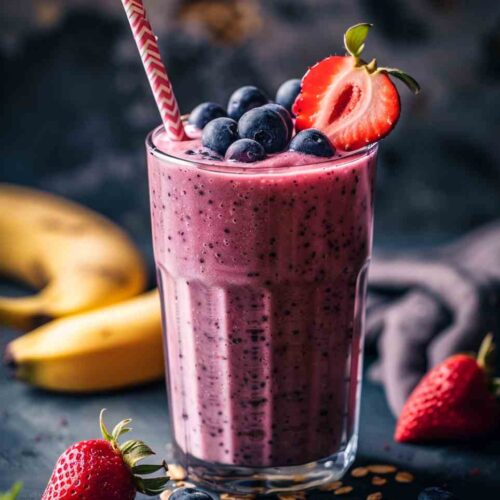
[266, 127]
[204, 113]
[436, 493]
[219, 134]
[284, 114]
[312, 142]
[287, 93]
[245, 151]
[244, 99]
[190, 494]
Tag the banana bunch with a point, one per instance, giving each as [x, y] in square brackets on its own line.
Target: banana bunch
[103, 335]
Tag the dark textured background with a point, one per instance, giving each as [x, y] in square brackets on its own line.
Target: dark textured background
[75, 108]
[76, 105]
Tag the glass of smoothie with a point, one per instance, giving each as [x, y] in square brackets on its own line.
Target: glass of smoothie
[262, 272]
[262, 251]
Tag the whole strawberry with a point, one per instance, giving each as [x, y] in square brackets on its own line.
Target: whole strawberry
[454, 401]
[101, 469]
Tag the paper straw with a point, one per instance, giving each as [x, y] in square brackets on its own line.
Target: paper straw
[155, 69]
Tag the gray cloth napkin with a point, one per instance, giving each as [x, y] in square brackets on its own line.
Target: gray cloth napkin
[425, 307]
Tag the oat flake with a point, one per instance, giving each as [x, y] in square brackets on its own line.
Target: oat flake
[404, 477]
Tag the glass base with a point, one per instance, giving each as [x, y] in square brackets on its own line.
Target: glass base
[251, 480]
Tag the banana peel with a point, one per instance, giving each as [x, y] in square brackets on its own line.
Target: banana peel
[109, 348]
[78, 259]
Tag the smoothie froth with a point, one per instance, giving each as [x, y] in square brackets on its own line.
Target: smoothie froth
[263, 272]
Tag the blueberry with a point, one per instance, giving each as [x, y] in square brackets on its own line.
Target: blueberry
[189, 494]
[245, 151]
[312, 142]
[219, 134]
[287, 93]
[244, 99]
[436, 493]
[204, 113]
[266, 127]
[284, 114]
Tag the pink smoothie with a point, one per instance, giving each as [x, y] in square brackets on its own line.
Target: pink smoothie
[263, 271]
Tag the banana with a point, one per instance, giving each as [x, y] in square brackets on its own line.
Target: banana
[78, 259]
[109, 348]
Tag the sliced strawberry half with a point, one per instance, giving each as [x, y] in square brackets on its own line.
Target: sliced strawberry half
[352, 102]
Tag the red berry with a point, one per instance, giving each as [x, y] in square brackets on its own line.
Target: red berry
[350, 105]
[451, 402]
[101, 469]
[352, 102]
[93, 470]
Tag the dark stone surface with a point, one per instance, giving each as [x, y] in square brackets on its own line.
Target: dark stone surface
[76, 104]
[35, 427]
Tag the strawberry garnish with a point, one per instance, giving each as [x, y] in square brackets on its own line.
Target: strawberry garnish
[101, 469]
[454, 401]
[352, 102]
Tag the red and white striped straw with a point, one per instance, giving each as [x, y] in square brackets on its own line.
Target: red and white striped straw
[155, 69]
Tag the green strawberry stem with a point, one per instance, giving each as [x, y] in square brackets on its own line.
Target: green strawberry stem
[354, 38]
[486, 353]
[354, 41]
[486, 360]
[132, 452]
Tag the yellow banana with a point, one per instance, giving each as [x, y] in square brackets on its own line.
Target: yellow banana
[78, 259]
[109, 348]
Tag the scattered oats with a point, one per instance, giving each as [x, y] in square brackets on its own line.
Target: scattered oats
[176, 472]
[166, 494]
[331, 486]
[343, 491]
[233, 496]
[294, 495]
[359, 472]
[378, 481]
[382, 469]
[404, 477]
[374, 496]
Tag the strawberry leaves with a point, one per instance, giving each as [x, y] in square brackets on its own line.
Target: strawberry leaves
[151, 486]
[147, 468]
[104, 431]
[354, 38]
[121, 428]
[137, 452]
[408, 80]
[132, 452]
[354, 41]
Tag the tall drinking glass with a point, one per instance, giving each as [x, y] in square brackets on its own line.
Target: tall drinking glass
[262, 273]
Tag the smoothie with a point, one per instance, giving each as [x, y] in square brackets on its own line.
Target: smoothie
[262, 269]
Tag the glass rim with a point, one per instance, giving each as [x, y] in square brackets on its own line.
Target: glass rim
[155, 151]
